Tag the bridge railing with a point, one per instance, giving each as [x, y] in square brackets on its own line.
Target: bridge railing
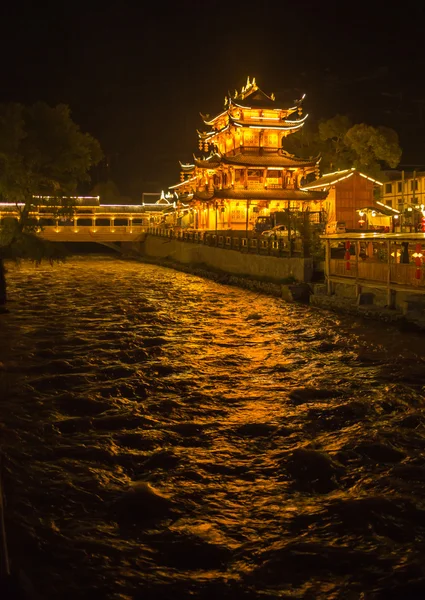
[279, 247]
[92, 233]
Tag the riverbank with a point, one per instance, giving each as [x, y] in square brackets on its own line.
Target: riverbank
[291, 291]
[254, 284]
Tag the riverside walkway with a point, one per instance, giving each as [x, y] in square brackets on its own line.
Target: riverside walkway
[390, 262]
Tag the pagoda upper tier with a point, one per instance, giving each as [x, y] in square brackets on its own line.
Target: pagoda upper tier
[244, 164]
[250, 118]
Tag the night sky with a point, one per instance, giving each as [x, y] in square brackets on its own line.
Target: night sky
[136, 77]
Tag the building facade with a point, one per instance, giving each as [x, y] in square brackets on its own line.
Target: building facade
[405, 192]
[349, 191]
[405, 189]
[244, 172]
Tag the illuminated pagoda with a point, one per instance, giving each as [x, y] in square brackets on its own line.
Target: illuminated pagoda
[245, 173]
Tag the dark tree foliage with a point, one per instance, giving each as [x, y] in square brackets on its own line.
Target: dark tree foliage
[42, 153]
[343, 145]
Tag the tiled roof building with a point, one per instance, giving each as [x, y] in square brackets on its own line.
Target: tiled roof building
[244, 171]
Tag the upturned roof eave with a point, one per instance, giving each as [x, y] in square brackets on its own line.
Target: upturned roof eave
[279, 195]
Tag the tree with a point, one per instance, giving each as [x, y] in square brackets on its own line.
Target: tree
[343, 145]
[373, 145]
[332, 134]
[42, 153]
[305, 142]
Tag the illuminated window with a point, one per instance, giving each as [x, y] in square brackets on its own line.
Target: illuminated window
[399, 188]
[237, 215]
[389, 202]
[255, 175]
[414, 185]
[388, 188]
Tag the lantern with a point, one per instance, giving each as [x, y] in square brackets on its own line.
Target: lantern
[417, 255]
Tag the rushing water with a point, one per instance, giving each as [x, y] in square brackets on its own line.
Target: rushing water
[166, 437]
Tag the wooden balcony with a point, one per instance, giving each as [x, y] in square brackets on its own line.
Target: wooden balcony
[378, 273]
[392, 261]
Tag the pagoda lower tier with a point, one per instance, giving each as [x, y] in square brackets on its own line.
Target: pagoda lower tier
[239, 209]
[231, 192]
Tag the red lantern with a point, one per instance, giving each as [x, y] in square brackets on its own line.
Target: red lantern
[418, 260]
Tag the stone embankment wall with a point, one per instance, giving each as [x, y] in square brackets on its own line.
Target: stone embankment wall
[234, 262]
[266, 274]
[408, 311]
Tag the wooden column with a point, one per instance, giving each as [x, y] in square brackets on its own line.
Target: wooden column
[358, 287]
[390, 299]
[328, 267]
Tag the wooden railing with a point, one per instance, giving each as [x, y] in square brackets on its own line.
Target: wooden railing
[377, 272]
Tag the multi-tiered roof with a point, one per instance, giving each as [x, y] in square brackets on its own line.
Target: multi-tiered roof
[246, 138]
[251, 108]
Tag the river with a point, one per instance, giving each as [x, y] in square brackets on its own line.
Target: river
[167, 437]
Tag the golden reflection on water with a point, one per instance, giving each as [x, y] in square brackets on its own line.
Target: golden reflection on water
[163, 430]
